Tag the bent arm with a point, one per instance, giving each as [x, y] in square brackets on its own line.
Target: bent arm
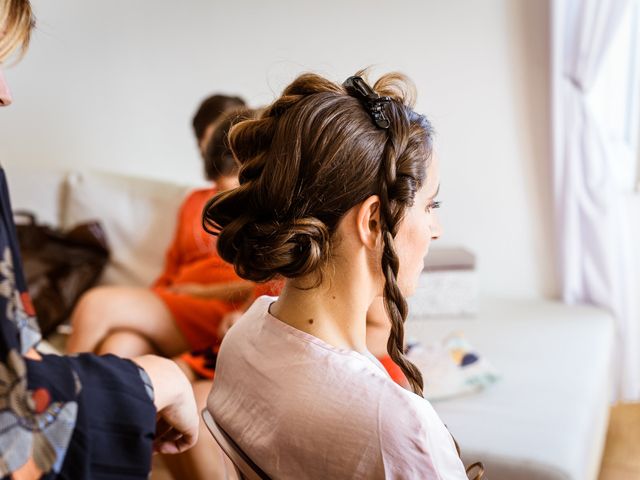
[79, 417]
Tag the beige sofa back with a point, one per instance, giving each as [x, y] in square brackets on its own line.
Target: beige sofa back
[138, 214]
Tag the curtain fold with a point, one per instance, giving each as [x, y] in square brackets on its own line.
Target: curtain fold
[595, 251]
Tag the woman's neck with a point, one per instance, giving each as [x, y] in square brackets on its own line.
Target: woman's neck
[335, 311]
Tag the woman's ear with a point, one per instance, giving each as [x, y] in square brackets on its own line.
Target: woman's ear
[368, 222]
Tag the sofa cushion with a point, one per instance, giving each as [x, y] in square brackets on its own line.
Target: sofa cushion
[138, 215]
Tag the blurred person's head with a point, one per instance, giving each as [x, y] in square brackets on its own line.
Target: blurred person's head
[324, 189]
[16, 21]
[208, 112]
[219, 164]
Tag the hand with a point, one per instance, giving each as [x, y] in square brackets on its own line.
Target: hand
[33, 354]
[177, 419]
[227, 322]
[228, 292]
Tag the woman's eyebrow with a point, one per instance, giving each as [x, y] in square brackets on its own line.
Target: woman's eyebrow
[437, 191]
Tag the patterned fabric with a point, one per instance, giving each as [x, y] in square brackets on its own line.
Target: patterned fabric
[30, 423]
[19, 310]
[83, 417]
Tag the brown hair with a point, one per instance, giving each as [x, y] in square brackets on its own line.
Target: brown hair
[281, 219]
[218, 159]
[16, 22]
[210, 110]
[307, 159]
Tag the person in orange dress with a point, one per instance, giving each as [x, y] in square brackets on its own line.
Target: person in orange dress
[185, 308]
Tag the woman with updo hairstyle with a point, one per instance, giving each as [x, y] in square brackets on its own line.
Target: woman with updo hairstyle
[337, 196]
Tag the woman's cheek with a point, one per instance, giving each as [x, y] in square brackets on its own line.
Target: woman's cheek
[415, 245]
[423, 241]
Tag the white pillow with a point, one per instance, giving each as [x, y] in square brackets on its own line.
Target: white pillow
[138, 215]
[451, 367]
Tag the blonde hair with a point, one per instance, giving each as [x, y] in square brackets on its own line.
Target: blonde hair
[16, 22]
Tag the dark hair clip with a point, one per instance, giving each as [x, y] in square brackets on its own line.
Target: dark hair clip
[373, 102]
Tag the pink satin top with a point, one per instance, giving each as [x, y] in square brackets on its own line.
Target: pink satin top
[303, 409]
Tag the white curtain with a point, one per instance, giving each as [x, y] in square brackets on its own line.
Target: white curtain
[595, 251]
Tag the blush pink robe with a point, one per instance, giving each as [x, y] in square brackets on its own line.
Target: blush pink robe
[303, 409]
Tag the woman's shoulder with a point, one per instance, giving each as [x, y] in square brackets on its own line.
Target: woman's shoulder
[344, 391]
[414, 438]
[406, 411]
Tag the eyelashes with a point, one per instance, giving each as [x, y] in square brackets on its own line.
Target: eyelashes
[433, 205]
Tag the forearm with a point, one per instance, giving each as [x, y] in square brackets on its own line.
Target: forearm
[228, 292]
[177, 414]
[163, 374]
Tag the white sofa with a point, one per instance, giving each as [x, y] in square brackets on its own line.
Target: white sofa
[545, 419]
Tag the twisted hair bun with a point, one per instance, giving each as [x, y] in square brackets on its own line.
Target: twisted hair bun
[263, 250]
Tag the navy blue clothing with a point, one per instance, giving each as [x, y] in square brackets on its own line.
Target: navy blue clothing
[75, 417]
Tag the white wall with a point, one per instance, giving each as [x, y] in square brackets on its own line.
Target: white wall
[113, 85]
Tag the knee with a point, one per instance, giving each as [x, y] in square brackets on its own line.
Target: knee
[125, 344]
[90, 311]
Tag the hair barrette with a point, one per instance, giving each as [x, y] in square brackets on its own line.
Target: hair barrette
[373, 102]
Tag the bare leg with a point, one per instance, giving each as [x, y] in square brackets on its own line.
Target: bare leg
[125, 343]
[205, 460]
[187, 370]
[105, 310]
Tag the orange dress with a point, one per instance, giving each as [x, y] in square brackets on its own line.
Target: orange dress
[192, 258]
